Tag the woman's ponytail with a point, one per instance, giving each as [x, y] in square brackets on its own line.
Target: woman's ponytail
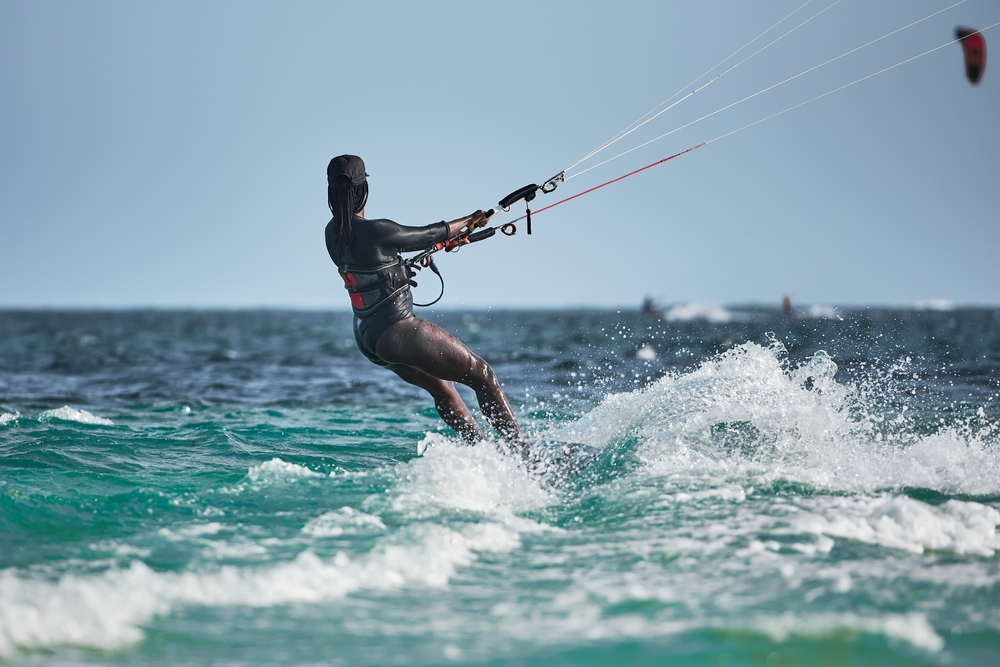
[345, 201]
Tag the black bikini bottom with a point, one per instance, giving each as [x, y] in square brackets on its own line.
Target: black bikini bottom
[367, 329]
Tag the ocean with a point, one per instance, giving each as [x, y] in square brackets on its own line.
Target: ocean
[244, 488]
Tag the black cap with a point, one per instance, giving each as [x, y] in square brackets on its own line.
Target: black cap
[350, 167]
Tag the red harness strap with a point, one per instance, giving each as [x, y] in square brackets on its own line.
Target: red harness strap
[352, 284]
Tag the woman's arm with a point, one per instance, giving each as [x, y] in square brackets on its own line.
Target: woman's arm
[406, 239]
[477, 219]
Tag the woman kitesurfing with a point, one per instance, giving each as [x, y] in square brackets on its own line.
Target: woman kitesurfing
[366, 253]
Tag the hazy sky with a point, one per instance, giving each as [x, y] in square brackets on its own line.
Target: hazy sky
[174, 153]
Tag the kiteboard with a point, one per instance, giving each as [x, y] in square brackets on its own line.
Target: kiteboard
[553, 462]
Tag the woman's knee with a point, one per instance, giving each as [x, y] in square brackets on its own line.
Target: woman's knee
[445, 393]
[481, 373]
[441, 391]
[436, 387]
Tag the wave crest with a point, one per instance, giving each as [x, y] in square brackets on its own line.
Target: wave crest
[66, 413]
[750, 411]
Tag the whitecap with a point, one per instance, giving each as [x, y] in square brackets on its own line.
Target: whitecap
[912, 628]
[646, 353]
[66, 413]
[240, 548]
[192, 531]
[579, 614]
[276, 469]
[819, 312]
[900, 522]
[941, 305]
[699, 310]
[345, 520]
[8, 418]
[727, 492]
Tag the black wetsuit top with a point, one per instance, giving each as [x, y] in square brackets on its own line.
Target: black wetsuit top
[374, 275]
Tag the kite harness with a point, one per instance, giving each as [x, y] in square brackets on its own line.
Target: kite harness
[370, 287]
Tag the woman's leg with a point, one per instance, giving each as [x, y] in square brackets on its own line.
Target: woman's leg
[429, 348]
[447, 401]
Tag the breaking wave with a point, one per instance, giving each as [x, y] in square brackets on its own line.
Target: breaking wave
[750, 413]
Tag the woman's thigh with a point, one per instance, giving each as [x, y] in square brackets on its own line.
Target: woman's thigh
[427, 347]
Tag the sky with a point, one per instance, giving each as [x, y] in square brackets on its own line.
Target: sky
[173, 154]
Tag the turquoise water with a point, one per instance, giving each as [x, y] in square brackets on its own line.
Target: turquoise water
[243, 488]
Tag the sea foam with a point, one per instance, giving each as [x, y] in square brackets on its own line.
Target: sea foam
[454, 476]
[106, 610]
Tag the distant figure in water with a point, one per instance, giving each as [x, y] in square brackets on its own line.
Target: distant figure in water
[786, 305]
[367, 254]
[649, 308]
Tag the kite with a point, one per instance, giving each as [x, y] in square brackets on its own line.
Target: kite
[975, 53]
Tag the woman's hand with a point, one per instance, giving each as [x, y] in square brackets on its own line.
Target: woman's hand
[476, 220]
[468, 224]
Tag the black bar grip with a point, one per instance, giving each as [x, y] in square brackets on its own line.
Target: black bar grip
[527, 193]
[482, 234]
